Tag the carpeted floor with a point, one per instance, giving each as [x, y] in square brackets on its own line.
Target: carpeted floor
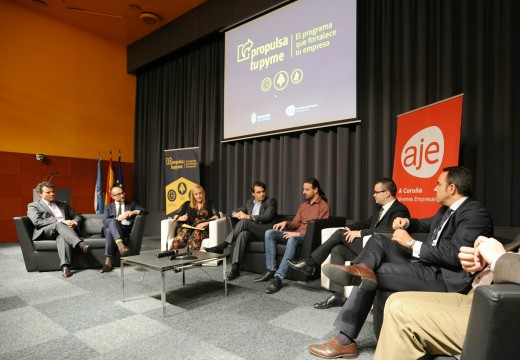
[44, 316]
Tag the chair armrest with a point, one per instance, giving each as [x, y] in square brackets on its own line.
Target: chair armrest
[217, 233]
[24, 229]
[493, 323]
[313, 235]
[168, 228]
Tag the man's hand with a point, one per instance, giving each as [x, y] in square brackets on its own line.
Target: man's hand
[469, 260]
[288, 234]
[350, 235]
[401, 236]
[69, 223]
[399, 223]
[279, 226]
[242, 215]
[489, 249]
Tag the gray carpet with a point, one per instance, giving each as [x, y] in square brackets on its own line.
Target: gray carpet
[44, 316]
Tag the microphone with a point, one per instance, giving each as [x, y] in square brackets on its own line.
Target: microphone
[49, 176]
[53, 175]
[167, 253]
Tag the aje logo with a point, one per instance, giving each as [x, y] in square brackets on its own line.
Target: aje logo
[422, 154]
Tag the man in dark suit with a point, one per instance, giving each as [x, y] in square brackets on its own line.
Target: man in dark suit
[55, 219]
[345, 245]
[251, 220]
[436, 323]
[404, 264]
[118, 220]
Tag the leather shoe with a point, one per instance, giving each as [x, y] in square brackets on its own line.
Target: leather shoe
[214, 249]
[268, 275]
[65, 271]
[276, 285]
[333, 350]
[233, 274]
[124, 251]
[301, 266]
[331, 301]
[85, 247]
[351, 275]
[106, 268]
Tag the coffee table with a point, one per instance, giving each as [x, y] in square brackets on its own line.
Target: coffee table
[151, 261]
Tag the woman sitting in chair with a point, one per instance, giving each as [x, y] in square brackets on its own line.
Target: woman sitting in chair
[193, 217]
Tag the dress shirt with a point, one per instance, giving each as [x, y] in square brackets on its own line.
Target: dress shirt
[256, 208]
[308, 211]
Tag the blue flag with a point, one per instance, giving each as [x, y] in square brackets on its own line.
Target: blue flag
[98, 195]
[119, 177]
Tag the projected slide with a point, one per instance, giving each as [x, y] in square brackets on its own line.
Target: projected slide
[293, 68]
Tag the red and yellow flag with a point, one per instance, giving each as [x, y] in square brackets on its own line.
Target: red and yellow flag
[110, 182]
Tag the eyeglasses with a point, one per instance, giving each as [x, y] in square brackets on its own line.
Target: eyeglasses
[121, 193]
[377, 192]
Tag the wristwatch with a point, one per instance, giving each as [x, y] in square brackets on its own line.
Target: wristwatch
[409, 243]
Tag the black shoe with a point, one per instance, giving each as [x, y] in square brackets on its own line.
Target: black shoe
[276, 285]
[215, 249]
[233, 274]
[302, 266]
[331, 301]
[268, 275]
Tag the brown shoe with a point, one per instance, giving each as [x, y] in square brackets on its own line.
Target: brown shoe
[107, 266]
[124, 251]
[332, 350]
[351, 275]
[65, 271]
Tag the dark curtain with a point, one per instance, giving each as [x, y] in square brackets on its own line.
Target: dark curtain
[411, 53]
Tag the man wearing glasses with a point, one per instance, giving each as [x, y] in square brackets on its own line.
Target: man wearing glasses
[345, 244]
[117, 225]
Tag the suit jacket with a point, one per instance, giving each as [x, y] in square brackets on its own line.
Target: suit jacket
[373, 224]
[268, 210]
[507, 267]
[463, 227]
[111, 211]
[41, 215]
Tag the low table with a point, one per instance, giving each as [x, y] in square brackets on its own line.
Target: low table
[151, 261]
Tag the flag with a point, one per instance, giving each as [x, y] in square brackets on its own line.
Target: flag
[110, 182]
[98, 193]
[119, 177]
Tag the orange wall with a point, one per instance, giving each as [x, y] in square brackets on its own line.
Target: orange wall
[63, 91]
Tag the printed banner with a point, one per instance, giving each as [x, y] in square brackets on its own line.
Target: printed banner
[427, 141]
[181, 174]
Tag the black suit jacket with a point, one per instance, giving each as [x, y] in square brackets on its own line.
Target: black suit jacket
[372, 225]
[41, 215]
[463, 227]
[111, 211]
[268, 210]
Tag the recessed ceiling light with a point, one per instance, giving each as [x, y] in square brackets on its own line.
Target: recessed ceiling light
[150, 18]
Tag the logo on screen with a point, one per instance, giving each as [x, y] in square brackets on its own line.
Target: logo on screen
[244, 50]
[423, 152]
[253, 118]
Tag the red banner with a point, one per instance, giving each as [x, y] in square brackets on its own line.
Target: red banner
[427, 141]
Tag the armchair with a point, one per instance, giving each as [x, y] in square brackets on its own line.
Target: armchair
[217, 234]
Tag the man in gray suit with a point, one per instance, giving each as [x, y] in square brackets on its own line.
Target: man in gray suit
[253, 219]
[55, 219]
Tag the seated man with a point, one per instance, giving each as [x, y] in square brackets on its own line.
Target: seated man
[254, 218]
[345, 245]
[404, 264]
[417, 324]
[316, 207]
[118, 220]
[53, 219]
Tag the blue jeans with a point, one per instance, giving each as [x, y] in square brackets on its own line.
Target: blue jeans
[271, 238]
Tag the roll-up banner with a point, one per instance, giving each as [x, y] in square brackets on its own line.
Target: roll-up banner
[181, 174]
[427, 141]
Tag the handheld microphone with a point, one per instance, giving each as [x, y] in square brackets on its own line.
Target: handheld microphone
[167, 253]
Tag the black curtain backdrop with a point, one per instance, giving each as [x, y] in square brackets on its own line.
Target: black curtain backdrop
[411, 53]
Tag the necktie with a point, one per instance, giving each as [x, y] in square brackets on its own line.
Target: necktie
[435, 234]
[380, 214]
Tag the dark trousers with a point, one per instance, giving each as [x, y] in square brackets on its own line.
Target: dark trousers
[115, 230]
[395, 272]
[243, 232]
[340, 251]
